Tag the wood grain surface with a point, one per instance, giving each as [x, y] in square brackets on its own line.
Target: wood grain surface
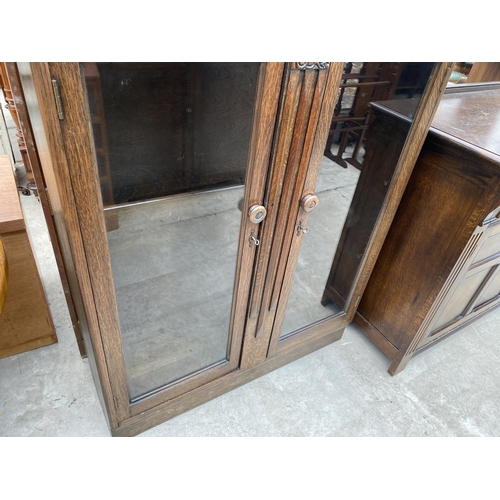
[4, 275]
[303, 113]
[44, 118]
[289, 130]
[484, 72]
[437, 270]
[364, 260]
[421, 123]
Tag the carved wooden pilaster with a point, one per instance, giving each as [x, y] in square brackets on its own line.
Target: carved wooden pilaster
[305, 114]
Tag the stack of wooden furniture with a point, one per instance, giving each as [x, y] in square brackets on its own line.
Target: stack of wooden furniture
[18, 108]
[25, 321]
[363, 83]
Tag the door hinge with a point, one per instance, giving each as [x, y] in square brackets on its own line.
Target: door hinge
[57, 97]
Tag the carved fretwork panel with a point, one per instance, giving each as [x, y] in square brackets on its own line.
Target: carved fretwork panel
[310, 65]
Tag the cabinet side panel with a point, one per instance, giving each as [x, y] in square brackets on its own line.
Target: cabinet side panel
[430, 230]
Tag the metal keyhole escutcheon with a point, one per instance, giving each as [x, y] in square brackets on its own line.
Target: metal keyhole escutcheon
[302, 229]
[253, 240]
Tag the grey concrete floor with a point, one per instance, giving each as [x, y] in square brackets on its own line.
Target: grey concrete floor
[341, 390]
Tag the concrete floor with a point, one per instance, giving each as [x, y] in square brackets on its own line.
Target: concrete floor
[340, 390]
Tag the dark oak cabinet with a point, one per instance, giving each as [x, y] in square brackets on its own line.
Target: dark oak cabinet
[198, 220]
[439, 267]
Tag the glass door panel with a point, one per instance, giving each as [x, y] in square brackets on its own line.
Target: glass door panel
[172, 143]
[334, 190]
[372, 118]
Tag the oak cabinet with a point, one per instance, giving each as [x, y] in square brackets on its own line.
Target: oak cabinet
[198, 219]
[439, 267]
[25, 319]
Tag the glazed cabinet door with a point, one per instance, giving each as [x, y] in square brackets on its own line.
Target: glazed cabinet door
[173, 174]
[175, 156]
[165, 162]
[341, 203]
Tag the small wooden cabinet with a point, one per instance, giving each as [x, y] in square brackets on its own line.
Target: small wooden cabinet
[439, 268]
[25, 321]
[184, 197]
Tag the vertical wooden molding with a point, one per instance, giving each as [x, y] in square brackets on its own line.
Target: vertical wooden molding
[55, 162]
[303, 116]
[80, 153]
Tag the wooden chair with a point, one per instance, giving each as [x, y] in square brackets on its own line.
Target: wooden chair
[361, 84]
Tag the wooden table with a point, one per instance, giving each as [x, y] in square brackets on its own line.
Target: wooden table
[25, 321]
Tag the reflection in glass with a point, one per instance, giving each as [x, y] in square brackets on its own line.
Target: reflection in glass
[171, 142]
[334, 189]
[372, 118]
